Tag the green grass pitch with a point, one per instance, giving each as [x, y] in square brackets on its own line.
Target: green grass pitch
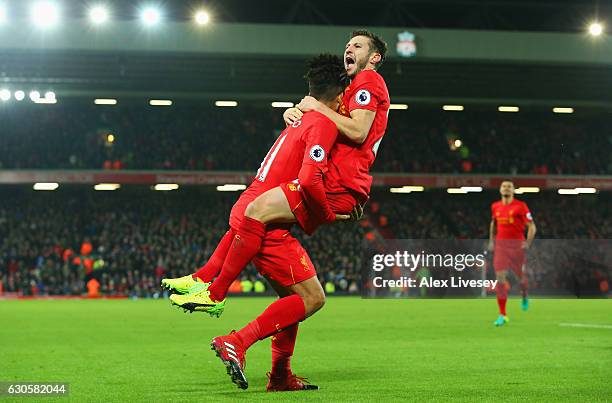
[354, 349]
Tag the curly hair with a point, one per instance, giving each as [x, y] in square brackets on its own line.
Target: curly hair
[326, 77]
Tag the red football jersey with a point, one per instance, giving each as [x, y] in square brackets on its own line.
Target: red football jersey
[349, 165]
[307, 141]
[510, 219]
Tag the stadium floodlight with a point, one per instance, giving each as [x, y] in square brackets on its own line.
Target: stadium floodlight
[160, 102]
[559, 109]
[110, 138]
[471, 188]
[456, 191]
[508, 108]
[230, 188]
[166, 186]
[50, 95]
[414, 188]
[201, 17]
[19, 95]
[98, 14]
[45, 14]
[280, 104]
[457, 143]
[567, 192]
[586, 190]
[398, 106]
[34, 96]
[46, 186]
[452, 107]
[526, 189]
[596, 28]
[150, 16]
[105, 101]
[226, 103]
[3, 14]
[107, 186]
[5, 94]
[407, 189]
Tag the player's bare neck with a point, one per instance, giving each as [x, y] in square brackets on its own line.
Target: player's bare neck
[507, 199]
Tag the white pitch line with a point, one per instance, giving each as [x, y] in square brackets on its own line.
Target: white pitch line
[587, 325]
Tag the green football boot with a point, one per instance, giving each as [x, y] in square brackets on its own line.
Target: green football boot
[198, 302]
[184, 285]
[501, 320]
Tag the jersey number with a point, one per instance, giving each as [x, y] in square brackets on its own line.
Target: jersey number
[264, 168]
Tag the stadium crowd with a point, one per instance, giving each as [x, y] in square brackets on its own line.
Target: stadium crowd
[53, 243]
[197, 137]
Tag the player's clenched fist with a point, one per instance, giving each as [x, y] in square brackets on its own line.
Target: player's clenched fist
[292, 115]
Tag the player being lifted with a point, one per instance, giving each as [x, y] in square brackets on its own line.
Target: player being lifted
[362, 121]
[509, 217]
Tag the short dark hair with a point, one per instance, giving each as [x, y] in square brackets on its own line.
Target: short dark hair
[376, 44]
[326, 77]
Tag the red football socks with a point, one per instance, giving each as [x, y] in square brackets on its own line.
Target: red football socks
[245, 245]
[283, 345]
[502, 297]
[280, 315]
[209, 271]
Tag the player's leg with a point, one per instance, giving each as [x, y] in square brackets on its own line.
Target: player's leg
[280, 377]
[211, 269]
[278, 316]
[200, 280]
[283, 343]
[524, 284]
[287, 264]
[502, 296]
[269, 207]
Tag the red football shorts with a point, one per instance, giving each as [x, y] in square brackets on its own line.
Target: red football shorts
[340, 203]
[509, 255]
[284, 261]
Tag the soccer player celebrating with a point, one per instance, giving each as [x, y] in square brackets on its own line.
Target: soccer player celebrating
[347, 180]
[300, 152]
[509, 217]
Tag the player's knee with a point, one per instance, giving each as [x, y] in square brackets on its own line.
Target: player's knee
[314, 301]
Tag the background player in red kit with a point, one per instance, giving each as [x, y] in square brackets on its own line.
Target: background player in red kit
[509, 217]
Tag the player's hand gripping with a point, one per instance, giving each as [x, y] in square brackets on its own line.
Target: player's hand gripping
[308, 104]
[292, 115]
[355, 214]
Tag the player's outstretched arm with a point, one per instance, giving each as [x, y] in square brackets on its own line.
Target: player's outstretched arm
[356, 128]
